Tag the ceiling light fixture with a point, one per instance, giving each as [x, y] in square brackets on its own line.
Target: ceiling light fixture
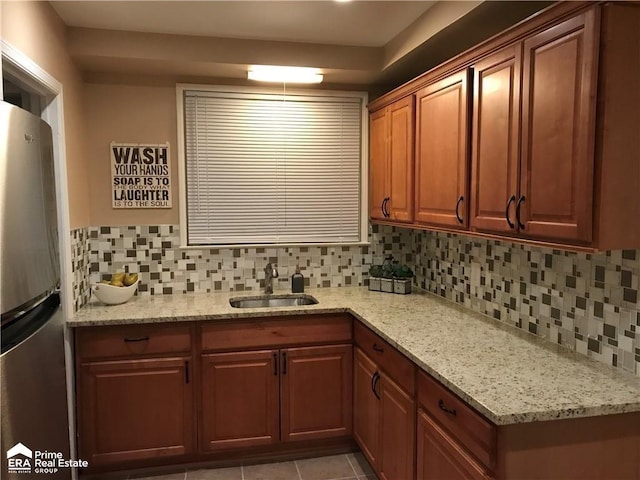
[270, 73]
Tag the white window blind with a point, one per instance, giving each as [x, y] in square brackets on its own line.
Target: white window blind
[264, 168]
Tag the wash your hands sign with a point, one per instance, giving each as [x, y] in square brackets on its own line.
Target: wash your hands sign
[140, 175]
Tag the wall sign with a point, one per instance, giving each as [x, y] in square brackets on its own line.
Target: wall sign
[140, 175]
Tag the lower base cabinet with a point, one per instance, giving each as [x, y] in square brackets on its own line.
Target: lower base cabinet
[135, 409]
[263, 397]
[239, 399]
[384, 420]
[440, 457]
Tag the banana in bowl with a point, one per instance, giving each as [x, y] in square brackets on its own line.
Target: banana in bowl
[119, 290]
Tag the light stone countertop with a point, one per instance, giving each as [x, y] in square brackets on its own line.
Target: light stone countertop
[506, 374]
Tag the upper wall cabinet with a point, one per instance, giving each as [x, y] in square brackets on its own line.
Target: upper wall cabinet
[391, 162]
[544, 191]
[496, 141]
[442, 152]
[552, 154]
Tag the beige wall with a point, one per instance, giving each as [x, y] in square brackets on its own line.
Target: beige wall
[36, 30]
[128, 114]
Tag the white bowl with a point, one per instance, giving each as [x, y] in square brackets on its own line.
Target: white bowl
[112, 295]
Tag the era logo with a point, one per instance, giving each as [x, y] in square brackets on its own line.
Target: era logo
[19, 459]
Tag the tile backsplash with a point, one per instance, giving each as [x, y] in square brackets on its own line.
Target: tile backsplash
[154, 253]
[587, 302]
[80, 267]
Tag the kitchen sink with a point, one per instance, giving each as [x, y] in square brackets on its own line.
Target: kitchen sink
[272, 301]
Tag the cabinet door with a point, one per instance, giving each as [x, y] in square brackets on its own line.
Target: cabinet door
[401, 142]
[135, 410]
[440, 457]
[366, 408]
[496, 136]
[397, 431]
[378, 163]
[558, 131]
[239, 399]
[315, 386]
[442, 152]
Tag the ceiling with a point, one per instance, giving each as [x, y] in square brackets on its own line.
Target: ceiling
[359, 23]
[373, 43]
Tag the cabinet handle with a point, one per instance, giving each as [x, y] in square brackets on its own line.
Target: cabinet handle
[373, 380]
[377, 348]
[518, 205]
[386, 206]
[506, 212]
[376, 379]
[458, 217]
[444, 408]
[384, 200]
[385, 212]
[186, 371]
[284, 363]
[136, 339]
[275, 364]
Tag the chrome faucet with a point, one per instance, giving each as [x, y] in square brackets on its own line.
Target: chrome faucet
[270, 272]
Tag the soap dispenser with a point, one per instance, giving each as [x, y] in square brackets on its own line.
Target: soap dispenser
[297, 281]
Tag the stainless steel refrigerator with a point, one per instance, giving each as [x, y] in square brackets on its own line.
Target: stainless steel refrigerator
[32, 372]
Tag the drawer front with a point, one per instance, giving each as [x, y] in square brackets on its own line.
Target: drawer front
[467, 426]
[276, 332]
[395, 364]
[132, 340]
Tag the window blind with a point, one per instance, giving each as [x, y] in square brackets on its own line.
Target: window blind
[264, 168]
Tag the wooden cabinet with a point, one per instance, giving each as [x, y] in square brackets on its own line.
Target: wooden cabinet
[440, 457]
[263, 397]
[259, 397]
[132, 406]
[544, 190]
[558, 120]
[240, 406]
[454, 442]
[366, 411]
[552, 145]
[384, 411]
[442, 152]
[496, 140]
[391, 162]
[316, 392]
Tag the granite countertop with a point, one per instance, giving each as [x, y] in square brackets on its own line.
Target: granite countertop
[506, 374]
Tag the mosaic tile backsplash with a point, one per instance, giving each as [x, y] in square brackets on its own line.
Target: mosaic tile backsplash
[164, 268]
[80, 267]
[587, 302]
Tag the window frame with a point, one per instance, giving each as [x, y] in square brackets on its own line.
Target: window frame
[273, 90]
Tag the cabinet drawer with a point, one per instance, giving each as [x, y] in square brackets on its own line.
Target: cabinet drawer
[399, 368]
[132, 340]
[276, 332]
[467, 426]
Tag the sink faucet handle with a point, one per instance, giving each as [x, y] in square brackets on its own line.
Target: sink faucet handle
[271, 270]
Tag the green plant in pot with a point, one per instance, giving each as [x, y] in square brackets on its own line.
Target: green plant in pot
[375, 273]
[402, 279]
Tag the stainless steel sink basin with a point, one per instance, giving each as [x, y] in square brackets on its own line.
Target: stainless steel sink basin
[272, 301]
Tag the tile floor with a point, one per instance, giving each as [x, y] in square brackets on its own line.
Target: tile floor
[351, 466]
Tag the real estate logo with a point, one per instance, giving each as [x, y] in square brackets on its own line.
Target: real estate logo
[21, 459]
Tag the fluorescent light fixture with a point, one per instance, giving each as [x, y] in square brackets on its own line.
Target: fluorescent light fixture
[269, 73]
